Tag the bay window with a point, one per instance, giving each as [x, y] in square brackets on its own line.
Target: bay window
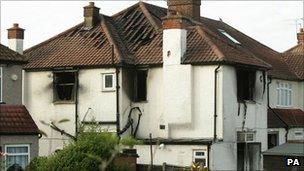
[17, 154]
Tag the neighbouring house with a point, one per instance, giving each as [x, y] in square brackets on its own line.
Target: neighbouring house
[18, 136]
[18, 132]
[11, 62]
[285, 113]
[192, 88]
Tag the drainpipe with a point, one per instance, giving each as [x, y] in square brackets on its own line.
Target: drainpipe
[215, 104]
[76, 104]
[117, 94]
[286, 125]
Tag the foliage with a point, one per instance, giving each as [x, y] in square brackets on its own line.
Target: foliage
[92, 151]
[130, 141]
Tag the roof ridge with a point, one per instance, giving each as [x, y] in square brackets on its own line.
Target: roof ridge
[52, 38]
[126, 9]
[148, 15]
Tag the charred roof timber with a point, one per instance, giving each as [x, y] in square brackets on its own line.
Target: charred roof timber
[188, 8]
[91, 15]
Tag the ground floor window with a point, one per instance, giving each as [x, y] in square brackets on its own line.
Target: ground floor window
[17, 155]
[272, 140]
[200, 157]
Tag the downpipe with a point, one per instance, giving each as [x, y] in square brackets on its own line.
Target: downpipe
[215, 104]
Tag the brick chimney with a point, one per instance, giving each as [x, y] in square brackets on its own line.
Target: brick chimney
[15, 38]
[189, 8]
[300, 37]
[91, 15]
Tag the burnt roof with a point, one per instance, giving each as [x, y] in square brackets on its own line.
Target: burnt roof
[8, 55]
[16, 120]
[136, 34]
[281, 118]
[294, 58]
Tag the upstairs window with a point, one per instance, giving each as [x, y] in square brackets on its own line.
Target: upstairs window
[245, 84]
[64, 86]
[140, 85]
[284, 94]
[108, 82]
[1, 80]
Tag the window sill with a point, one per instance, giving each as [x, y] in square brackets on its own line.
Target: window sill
[144, 101]
[63, 102]
[108, 91]
[247, 101]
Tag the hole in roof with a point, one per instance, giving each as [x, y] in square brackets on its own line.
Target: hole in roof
[229, 36]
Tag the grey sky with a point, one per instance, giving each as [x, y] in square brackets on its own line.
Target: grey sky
[273, 23]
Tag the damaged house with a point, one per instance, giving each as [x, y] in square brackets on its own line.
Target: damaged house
[193, 87]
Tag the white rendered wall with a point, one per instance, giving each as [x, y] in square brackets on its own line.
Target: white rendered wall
[202, 106]
[16, 45]
[256, 115]
[178, 155]
[39, 102]
[177, 78]
[297, 94]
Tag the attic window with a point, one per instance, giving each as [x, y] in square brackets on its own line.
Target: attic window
[64, 86]
[229, 36]
[140, 85]
[245, 84]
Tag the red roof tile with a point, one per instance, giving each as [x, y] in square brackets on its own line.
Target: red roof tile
[279, 118]
[8, 55]
[294, 58]
[137, 35]
[15, 119]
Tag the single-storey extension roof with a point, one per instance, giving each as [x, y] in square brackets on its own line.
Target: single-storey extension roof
[16, 120]
[287, 149]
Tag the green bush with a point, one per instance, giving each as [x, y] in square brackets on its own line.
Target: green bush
[89, 152]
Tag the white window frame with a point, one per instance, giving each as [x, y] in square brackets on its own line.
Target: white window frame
[299, 136]
[284, 94]
[104, 88]
[200, 157]
[18, 154]
[1, 84]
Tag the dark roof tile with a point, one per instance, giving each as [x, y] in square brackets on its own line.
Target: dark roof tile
[15, 119]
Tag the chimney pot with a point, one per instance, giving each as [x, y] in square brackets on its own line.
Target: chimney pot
[300, 37]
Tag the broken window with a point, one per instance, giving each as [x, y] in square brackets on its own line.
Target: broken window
[245, 84]
[140, 85]
[64, 86]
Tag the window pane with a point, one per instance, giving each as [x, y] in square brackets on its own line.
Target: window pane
[199, 153]
[108, 81]
[17, 150]
[20, 160]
